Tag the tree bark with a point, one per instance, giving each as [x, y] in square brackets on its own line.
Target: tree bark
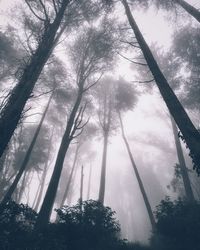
[103, 169]
[190, 9]
[11, 113]
[183, 168]
[47, 205]
[140, 183]
[12, 188]
[189, 132]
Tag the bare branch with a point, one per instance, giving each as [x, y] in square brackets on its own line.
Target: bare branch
[55, 8]
[91, 85]
[147, 81]
[31, 9]
[45, 11]
[138, 63]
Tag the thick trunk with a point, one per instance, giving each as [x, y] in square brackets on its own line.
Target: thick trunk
[47, 205]
[183, 168]
[189, 132]
[70, 177]
[190, 9]
[89, 182]
[27, 157]
[103, 169]
[12, 111]
[144, 195]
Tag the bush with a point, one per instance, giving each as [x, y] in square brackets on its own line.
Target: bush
[178, 225]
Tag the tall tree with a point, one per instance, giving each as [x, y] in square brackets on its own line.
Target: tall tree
[12, 110]
[189, 132]
[126, 99]
[105, 97]
[24, 164]
[186, 6]
[182, 164]
[91, 53]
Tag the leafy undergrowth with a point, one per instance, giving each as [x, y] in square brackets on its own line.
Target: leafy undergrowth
[94, 227]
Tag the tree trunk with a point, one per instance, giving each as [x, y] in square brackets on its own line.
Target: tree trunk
[189, 132]
[81, 187]
[22, 187]
[144, 195]
[47, 205]
[70, 177]
[12, 188]
[103, 169]
[89, 182]
[183, 168]
[190, 9]
[12, 111]
[44, 174]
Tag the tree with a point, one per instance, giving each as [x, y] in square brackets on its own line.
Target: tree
[182, 164]
[126, 99]
[177, 225]
[12, 188]
[11, 112]
[105, 111]
[189, 132]
[94, 49]
[186, 6]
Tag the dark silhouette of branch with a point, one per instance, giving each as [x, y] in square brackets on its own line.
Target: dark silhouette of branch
[31, 9]
[138, 63]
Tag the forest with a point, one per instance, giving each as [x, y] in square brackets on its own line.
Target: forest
[99, 124]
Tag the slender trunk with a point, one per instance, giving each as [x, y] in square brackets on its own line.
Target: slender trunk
[144, 195]
[22, 187]
[70, 177]
[12, 188]
[12, 111]
[183, 168]
[189, 132]
[89, 182]
[29, 186]
[36, 196]
[47, 205]
[190, 9]
[103, 169]
[44, 174]
[81, 187]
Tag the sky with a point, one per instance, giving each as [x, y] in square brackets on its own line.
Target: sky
[148, 122]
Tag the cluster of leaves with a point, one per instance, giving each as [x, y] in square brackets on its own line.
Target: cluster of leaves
[178, 225]
[89, 226]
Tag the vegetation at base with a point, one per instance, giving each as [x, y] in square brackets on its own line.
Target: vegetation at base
[92, 226]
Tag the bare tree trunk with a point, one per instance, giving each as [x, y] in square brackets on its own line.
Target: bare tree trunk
[11, 113]
[89, 182]
[44, 174]
[189, 132]
[47, 205]
[81, 187]
[70, 177]
[144, 195]
[183, 168]
[12, 188]
[103, 169]
[190, 9]
[22, 187]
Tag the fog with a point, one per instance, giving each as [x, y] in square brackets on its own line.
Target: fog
[147, 124]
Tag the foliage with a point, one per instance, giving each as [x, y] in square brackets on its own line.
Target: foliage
[16, 223]
[90, 226]
[178, 225]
